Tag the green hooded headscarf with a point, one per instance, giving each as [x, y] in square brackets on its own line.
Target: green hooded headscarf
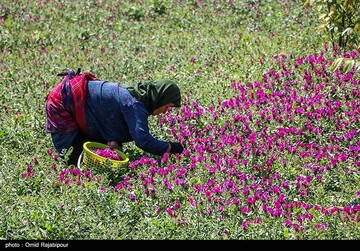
[155, 94]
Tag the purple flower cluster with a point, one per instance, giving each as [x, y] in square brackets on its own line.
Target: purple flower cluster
[269, 147]
[267, 151]
[108, 153]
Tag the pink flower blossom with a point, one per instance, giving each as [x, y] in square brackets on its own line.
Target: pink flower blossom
[108, 153]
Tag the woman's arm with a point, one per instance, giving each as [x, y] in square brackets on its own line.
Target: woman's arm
[136, 117]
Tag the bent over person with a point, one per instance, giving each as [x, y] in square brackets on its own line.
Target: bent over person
[83, 108]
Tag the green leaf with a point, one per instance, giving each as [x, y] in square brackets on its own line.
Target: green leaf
[286, 233]
[347, 31]
[336, 64]
[9, 22]
[357, 65]
[348, 65]
[357, 28]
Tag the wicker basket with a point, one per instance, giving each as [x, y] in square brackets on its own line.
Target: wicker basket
[93, 161]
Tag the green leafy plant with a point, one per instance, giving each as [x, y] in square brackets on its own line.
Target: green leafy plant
[345, 64]
[271, 129]
[340, 19]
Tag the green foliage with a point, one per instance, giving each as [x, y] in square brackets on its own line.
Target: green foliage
[340, 19]
[205, 46]
[345, 64]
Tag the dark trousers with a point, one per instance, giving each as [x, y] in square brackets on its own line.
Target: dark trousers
[78, 148]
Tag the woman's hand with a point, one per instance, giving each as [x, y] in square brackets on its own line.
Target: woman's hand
[112, 145]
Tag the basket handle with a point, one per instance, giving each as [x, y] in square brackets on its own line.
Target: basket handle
[80, 159]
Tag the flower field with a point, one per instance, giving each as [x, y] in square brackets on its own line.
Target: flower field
[271, 131]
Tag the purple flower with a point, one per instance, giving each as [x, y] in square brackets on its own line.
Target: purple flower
[257, 220]
[132, 196]
[192, 201]
[165, 158]
[176, 204]
[209, 211]
[35, 160]
[244, 224]
[296, 227]
[285, 184]
[236, 201]
[347, 209]
[276, 189]
[321, 226]
[170, 211]
[169, 186]
[245, 210]
[288, 223]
